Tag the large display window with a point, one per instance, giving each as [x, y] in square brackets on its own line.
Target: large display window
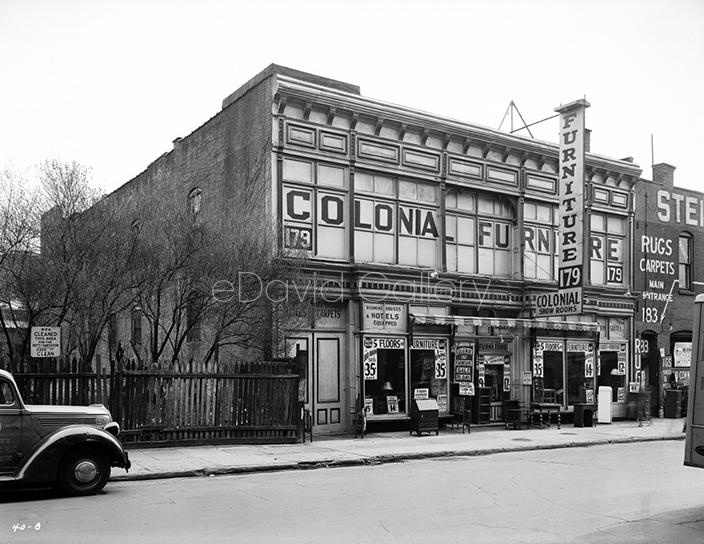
[580, 372]
[429, 371]
[564, 371]
[384, 370]
[548, 369]
[612, 369]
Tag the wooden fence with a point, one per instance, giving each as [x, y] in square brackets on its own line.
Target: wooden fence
[188, 404]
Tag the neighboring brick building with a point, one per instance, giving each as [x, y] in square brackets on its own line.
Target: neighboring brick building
[429, 240]
[669, 273]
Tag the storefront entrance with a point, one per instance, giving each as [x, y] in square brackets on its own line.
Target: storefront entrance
[564, 371]
[322, 386]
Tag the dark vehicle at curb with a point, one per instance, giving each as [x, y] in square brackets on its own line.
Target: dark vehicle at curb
[72, 447]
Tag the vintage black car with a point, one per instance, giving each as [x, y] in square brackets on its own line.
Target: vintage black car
[72, 447]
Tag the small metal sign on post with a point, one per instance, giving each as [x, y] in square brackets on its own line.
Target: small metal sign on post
[45, 342]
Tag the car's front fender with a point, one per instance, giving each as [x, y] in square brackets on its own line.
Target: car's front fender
[42, 464]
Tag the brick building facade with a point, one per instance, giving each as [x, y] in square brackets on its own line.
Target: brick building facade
[668, 262]
[429, 241]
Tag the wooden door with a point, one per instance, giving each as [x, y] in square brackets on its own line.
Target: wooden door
[328, 365]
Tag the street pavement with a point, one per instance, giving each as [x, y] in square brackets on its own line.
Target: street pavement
[387, 447]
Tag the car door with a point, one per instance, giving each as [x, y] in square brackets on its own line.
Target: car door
[10, 428]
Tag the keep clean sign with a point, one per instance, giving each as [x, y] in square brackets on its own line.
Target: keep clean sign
[45, 342]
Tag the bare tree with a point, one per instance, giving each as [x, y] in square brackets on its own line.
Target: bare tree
[82, 273]
[19, 233]
[185, 253]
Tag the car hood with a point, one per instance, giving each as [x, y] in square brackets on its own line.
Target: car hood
[78, 410]
[69, 415]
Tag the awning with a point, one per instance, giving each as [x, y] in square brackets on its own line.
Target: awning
[504, 323]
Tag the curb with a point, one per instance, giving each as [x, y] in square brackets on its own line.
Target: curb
[379, 459]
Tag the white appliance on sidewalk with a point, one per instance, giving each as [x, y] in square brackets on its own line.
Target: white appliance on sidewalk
[605, 395]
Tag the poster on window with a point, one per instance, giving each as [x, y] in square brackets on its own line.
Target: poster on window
[589, 365]
[621, 364]
[370, 347]
[527, 378]
[589, 396]
[507, 377]
[467, 389]
[442, 403]
[370, 367]
[480, 375]
[683, 354]
[621, 394]
[538, 363]
[440, 361]
[421, 393]
[392, 404]
[464, 362]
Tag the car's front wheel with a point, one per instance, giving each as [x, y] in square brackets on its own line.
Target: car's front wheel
[84, 472]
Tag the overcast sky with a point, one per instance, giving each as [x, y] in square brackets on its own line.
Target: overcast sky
[112, 83]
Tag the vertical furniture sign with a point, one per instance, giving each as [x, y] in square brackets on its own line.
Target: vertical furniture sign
[568, 300]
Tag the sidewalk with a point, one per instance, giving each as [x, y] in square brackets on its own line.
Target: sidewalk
[382, 448]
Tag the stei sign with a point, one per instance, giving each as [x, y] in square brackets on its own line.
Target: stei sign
[45, 342]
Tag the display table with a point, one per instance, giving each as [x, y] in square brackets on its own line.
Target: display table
[545, 408]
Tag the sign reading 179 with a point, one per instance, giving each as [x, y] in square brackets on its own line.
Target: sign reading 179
[298, 237]
[571, 276]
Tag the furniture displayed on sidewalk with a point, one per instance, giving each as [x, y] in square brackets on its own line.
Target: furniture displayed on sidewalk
[541, 409]
[516, 415]
[461, 414]
[481, 409]
[424, 416]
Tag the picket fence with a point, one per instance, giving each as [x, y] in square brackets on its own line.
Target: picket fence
[191, 403]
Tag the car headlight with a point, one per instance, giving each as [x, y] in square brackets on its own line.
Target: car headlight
[113, 428]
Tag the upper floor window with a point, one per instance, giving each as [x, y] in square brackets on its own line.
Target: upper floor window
[194, 200]
[685, 270]
[539, 241]
[396, 220]
[478, 233]
[606, 249]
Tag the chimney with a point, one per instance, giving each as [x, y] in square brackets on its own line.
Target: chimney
[664, 174]
[587, 140]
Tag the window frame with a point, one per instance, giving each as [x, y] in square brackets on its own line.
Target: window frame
[687, 266]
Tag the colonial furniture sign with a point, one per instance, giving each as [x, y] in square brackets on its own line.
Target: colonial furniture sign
[568, 300]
